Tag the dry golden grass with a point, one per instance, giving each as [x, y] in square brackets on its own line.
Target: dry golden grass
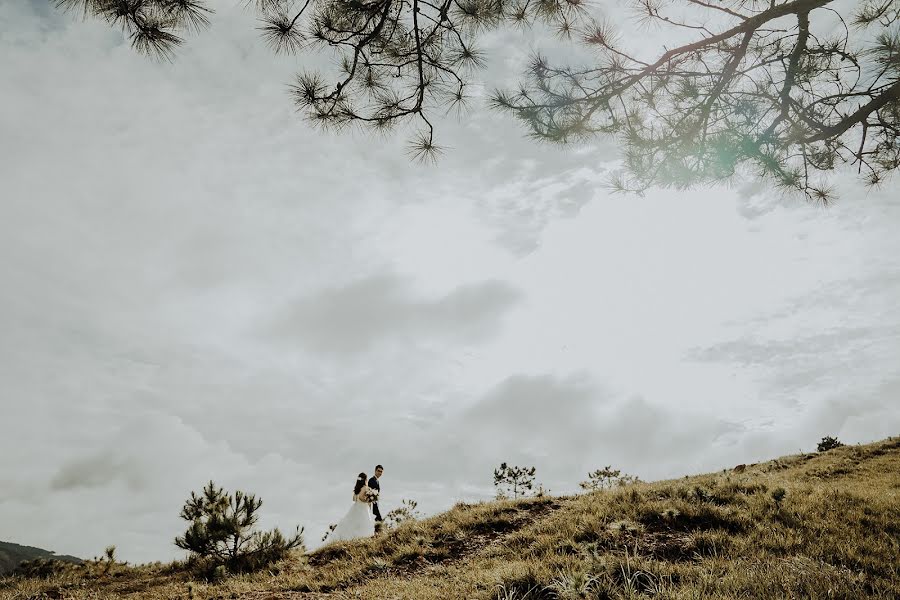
[835, 533]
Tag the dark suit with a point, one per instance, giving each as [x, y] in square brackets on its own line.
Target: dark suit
[373, 483]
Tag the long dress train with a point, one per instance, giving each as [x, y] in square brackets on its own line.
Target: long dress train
[357, 523]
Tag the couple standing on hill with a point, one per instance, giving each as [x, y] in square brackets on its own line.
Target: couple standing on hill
[364, 517]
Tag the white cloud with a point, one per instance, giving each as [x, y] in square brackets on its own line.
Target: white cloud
[355, 317]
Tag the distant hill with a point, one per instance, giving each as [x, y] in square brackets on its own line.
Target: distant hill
[13, 554]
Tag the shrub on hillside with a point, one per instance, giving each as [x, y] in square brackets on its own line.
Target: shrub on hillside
[405, 512]
[828, 443]
[513, 481]
[606, 478]
[221, 532]
[41, 568]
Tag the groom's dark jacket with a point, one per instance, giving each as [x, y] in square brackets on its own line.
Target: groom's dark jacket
[373, 483]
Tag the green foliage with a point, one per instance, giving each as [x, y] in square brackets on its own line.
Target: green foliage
[109, 558]
[404, 513]
[397, 61]
[513, 482]
[154, 26]
[221, 532]
[828, 443]
[13, 555]
[52, 566]
[606, 478]
[734, 97]
[41, 568]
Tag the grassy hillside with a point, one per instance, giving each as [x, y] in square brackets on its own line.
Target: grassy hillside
[835, 533]
[13, 554]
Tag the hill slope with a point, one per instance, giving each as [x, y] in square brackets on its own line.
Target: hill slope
[835, 533]
[13, 554]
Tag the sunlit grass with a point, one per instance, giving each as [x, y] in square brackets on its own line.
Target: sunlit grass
[807, 526]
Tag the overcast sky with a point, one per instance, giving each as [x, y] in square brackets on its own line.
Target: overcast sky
[197, 285]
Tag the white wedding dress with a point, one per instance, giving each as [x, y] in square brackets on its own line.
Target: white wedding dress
[358, 522]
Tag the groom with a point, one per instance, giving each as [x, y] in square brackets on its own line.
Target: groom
[373, 483]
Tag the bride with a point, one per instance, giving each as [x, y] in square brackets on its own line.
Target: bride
[358, 522]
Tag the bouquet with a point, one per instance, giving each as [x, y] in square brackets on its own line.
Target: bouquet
[370, 495]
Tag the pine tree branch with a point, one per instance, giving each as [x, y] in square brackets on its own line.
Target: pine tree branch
[890, 94]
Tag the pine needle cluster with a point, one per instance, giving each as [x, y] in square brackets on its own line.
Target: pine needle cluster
[785, 90]
[221, 533]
